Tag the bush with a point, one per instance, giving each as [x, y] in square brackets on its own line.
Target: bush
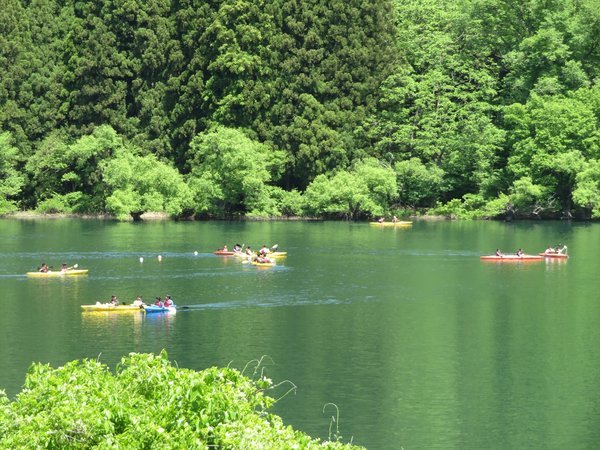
[54, 205]
[146, 403]
[7, 206]
[366, 191]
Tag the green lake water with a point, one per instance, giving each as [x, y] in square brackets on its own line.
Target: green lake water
[419, 343]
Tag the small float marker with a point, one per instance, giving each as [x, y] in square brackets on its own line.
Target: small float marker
[141, 259]
[159, 258]
[196, 253]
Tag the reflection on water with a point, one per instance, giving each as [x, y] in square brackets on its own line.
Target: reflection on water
[555, 263]
[101, 325]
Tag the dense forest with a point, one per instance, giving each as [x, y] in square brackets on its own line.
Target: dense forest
[327, 108]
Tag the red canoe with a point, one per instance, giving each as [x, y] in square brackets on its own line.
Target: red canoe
[224, 253]
[554, 255]
[511, 258]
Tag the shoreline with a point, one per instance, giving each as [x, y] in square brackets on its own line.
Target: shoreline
[149, 216]
[158, 216]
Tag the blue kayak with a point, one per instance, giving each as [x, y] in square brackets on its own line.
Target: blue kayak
[160, 309]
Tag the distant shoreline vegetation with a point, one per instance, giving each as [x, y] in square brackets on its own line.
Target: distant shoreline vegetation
[329, 109]
[157, 216]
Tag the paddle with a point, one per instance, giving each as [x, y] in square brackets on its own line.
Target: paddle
[274, 247]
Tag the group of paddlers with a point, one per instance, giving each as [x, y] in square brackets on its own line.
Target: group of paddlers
[560, 249]
[260, 256]
[63, 268]
[139, 302]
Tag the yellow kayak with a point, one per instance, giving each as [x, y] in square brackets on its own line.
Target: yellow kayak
[110, 307]
[392, 224]
[262, 264]
[58, 273]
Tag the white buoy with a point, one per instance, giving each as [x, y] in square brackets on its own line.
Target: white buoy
[196, 253]
[141, 259]
[159, 258]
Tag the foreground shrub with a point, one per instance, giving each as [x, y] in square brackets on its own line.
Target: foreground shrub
[146, 403]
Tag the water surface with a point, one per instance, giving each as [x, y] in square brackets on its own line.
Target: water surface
[418, 342]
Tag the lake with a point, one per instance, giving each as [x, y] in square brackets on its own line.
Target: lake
[419, 343]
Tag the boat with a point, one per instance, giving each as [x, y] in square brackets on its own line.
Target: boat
[511, 258]
[58, 273]
[263, 264]
[400, 223]
[160, 309]
[223, 253]
[110, 307]
[554, 255]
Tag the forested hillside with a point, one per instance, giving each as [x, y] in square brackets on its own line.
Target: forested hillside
[331, 108]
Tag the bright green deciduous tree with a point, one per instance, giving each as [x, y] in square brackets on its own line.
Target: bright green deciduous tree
[587, 191]
[140, 184]
[230, 172]
[58, 169]
[418, 185]
[438, 104]
[551, 138]
[365, 191]
[525, 197]
[11, 180]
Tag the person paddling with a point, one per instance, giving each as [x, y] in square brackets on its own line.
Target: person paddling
[44, 268]
[520, 253]
[499, 253]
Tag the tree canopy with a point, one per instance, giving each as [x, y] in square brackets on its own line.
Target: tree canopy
[251, 102]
